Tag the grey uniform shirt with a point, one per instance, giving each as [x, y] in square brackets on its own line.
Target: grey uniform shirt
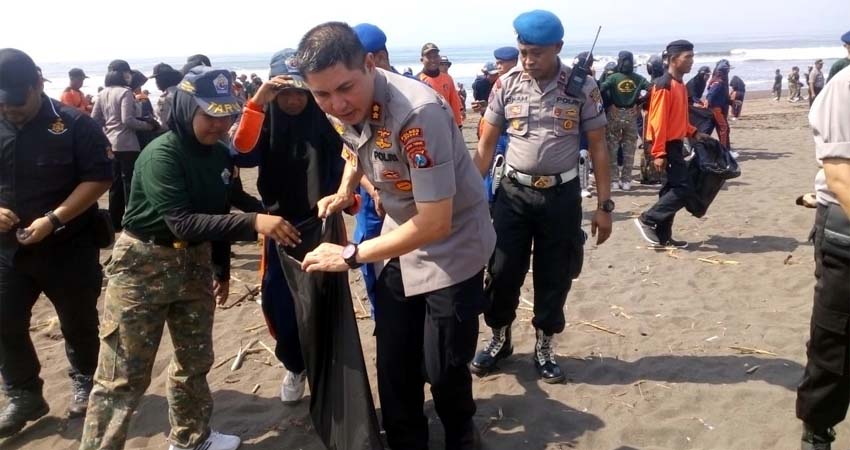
[163, 107]
[115, 111]
[544, 124]
[830, 120]
[411, 149]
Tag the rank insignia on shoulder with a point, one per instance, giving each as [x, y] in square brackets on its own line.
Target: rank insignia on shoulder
[404, 185]
[376, 111]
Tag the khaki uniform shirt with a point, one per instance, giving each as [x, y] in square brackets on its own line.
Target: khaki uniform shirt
[411, 149]
[544, 123]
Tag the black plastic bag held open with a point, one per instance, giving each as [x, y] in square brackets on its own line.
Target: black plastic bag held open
[341, 405]
[709, 169]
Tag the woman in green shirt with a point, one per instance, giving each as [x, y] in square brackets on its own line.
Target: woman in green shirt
[170, 266]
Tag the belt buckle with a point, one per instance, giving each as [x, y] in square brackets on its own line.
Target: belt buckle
[541, 181]
[179, 245]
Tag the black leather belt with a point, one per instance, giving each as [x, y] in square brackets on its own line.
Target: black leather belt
[170, 243]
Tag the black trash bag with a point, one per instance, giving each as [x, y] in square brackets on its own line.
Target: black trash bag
[701, 118]
[341, 405]
[709, 169]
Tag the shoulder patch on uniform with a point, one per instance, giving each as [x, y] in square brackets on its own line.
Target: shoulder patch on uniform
[410, 133]
[596, 95]
[58, 127]
[415, 148]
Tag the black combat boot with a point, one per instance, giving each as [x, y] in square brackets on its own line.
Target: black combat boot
[817, 439]
[497, 349]
[544, 359]
[80, 390]
[23, 407]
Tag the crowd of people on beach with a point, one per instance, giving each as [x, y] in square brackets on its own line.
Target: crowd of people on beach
[336, 129]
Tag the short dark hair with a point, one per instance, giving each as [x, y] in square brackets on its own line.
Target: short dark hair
[328, 44]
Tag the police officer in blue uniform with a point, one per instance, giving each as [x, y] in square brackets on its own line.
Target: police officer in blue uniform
[538, 199]
[53, 168]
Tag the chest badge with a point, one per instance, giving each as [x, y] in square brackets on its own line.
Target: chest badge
[225, 176]
[516, 124]
[569, 124]
[382, 141]
[58, 127]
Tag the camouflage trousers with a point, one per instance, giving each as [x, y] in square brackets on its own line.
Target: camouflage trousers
[150, 286]
[622, 132]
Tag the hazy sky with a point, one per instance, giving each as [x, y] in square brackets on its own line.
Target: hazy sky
[100, 29]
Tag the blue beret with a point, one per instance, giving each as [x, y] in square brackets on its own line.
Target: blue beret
[538, 27]
[845, 38]
[506, 54]
[371, 37]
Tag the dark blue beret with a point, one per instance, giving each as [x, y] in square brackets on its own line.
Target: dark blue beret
[845, 38]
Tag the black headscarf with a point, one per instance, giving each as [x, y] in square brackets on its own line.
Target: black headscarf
[626, 62]
[655, 66]
[301, 160]
[183, 107]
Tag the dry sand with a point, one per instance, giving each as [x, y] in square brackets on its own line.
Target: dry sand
[664, 377]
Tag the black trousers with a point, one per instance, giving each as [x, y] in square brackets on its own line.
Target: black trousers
[426, 338]
[69, 274]
[674, 195]
[824, 393]
[551, 219]
[119, 193]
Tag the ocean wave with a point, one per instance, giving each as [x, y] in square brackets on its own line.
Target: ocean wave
[774, 54]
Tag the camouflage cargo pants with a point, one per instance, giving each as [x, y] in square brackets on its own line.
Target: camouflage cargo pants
[150, 286]
[622, 132]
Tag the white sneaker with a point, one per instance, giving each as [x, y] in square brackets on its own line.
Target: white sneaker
[292, 388]
[626, 185]
[585, 193]
[734, 154]
[216, 441]
[615, 186]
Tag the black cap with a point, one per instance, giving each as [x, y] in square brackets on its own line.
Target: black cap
[679, 46]
[161, 68]
[18, 73]
[195, 61]
[119, 65]
[77, 73]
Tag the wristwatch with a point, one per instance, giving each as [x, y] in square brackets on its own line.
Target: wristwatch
[57, 224]
[607, 206]
[349, 254]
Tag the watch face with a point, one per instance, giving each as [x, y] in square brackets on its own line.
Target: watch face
[348, 251]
